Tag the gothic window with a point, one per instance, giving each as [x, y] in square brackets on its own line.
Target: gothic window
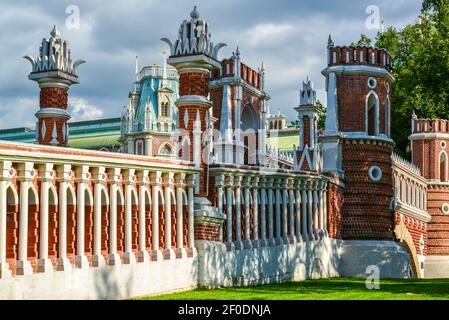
[164, 109]
[139, 147]
[166, 150]
[372, 114]
[443, 167]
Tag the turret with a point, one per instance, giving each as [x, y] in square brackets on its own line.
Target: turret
[55, 72]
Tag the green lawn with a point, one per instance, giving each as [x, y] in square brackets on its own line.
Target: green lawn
[325, 289]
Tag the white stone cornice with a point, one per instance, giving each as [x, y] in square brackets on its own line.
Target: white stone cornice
[195, 100]
[168, 179]
[357, 69]
[429, 136]
[52, 113]
[142, 177]
[5, 170]
[99, 175]
[63, 172]
[46, 173]
[26, 171]
[412, 211]
[114, 175]
[156, 178]
[82, 174]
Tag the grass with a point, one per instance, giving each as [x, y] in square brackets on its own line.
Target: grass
[323, 289]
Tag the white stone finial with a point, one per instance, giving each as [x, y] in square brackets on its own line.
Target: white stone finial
[55, 32]
[195, 15]
[237, 52]
[137, 68]
[330, 42]
[164, 70]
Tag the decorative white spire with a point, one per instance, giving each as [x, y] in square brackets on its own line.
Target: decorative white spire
[54, 54]
[54, 135]
[164, 71]
[330, 42]
[307, 95]
[137, 68]
[194, 37]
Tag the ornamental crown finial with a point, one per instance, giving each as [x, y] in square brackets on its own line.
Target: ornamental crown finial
[55, 32]
[194, 14]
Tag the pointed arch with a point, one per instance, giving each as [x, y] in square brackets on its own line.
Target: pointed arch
[71, 195]
[33, 196]
[104, 196]
[372, 114]
[165, 149]
[443, 166]
[12, 197]
[52, 195]
[89, 200]
[121, 197]
[387, 117]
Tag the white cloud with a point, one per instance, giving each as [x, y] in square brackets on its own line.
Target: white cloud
[81, 109]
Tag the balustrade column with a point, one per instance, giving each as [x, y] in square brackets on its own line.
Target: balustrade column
[255, 211]
[304, 203]
[285, 205]
[271, 239]
[156, 181]
[325, 211]
[114, 180]
[191, 185]
[180, 185]
[291, 197]
[168, 187]
[263, 207]
[63, 179]
[298, 210]
[310, 210]
[229, 184]
[315, 210]
[142, 179]
[238, 213]
[5, 167]
[99, 181]
[82, 176]
[23, 266]
[278, 211]
[45, 176]
[219, 182]
[247, 242]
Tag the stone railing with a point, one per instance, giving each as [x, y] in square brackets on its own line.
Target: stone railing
[64, 208]
[410, 189]
[157, 72]
[269, 207]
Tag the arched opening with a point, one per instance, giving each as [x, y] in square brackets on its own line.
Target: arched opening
[249, 127]
[148, 220]
[71, 223]
[88, 223]
[161, 221]
[12, 223]
[104, 222]
[120, 220]
[443, 166]
[185, 219]
[166, 150]
[387, 117]
[134, 221]
[372, 114]
[52, 223]
[173, 221]
[33, 226]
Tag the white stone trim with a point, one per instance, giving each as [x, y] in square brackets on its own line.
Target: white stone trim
[354, 69]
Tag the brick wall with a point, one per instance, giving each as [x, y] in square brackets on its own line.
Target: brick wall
[334, 210]
[366, 213]
[416, 229]
[438, 227]
[53, 98]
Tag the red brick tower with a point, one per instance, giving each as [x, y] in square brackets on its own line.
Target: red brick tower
[430, 151]
[356, 142]
[55, 72]
[194, 56]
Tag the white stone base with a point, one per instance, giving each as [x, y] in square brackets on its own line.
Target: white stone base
[23, 268]
[44, 265]
[436, 267]
[129, 258]
[98, 261]
[114, 259]
[81, 262]
[307, 260]
[390, 257]
[5, 272]
[106, 282]
[63, 264]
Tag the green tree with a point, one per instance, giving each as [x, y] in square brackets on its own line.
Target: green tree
[321, 115]
[364, 41]
[420, 54]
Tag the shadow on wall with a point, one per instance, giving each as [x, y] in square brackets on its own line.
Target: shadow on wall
[108, 285]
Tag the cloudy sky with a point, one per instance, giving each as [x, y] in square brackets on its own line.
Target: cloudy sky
[290, 37]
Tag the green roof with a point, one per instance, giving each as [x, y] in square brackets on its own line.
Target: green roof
[284, 143]
[95, 141]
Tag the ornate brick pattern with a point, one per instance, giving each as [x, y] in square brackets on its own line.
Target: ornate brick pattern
[366, 203]
[53, 98]
[439, 225]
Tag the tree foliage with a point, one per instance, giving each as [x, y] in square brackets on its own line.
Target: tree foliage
[420, 54]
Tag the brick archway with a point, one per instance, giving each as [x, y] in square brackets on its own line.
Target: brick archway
[405, 238]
